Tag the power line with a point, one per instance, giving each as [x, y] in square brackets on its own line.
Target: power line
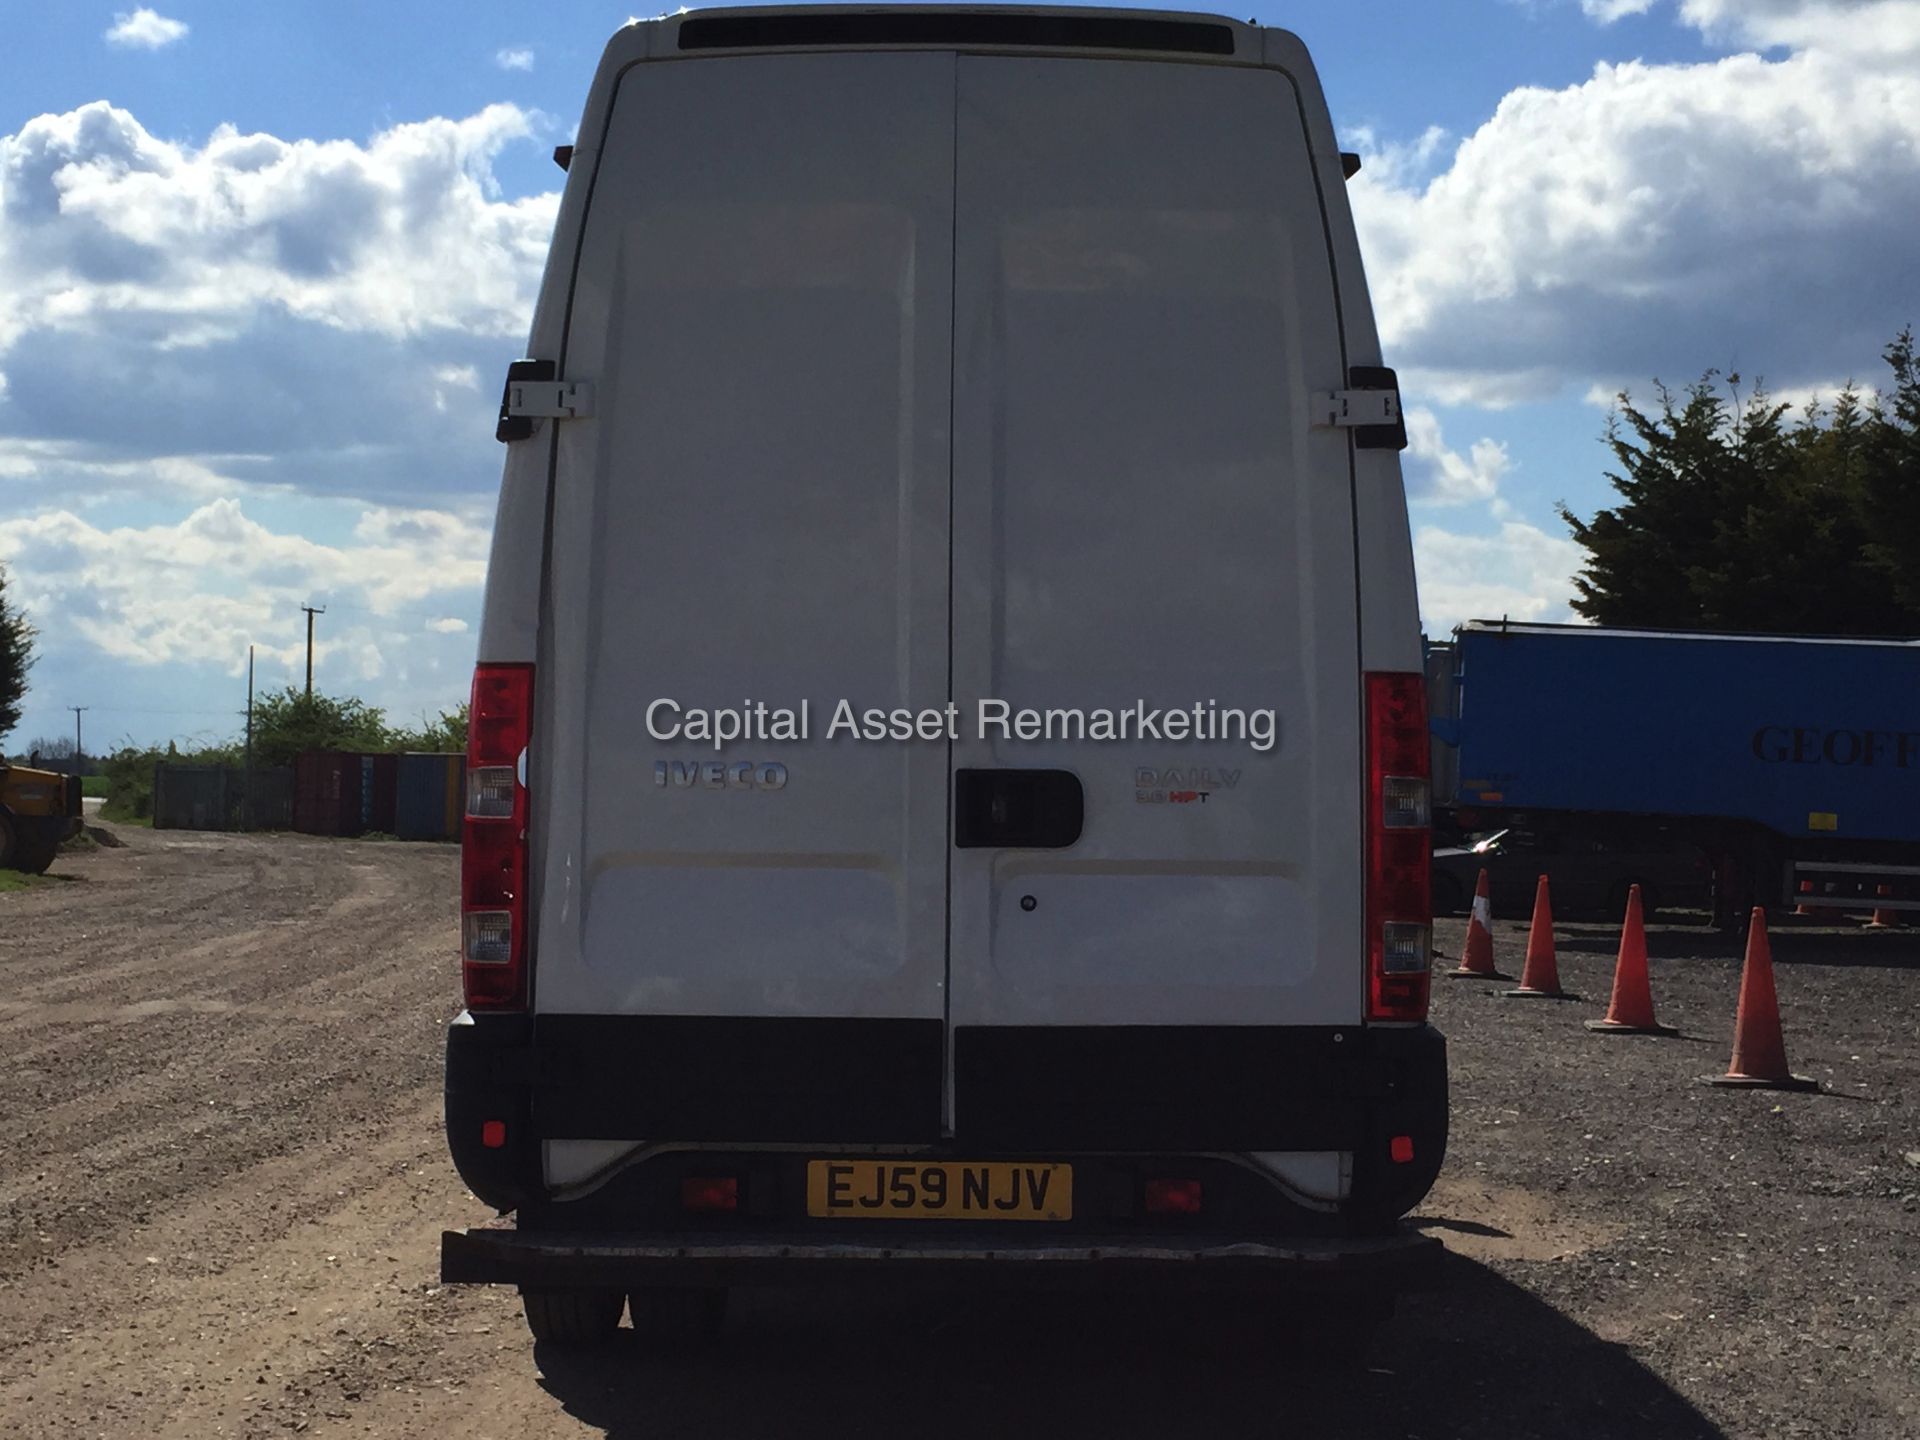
[141, 710]
[393, 610]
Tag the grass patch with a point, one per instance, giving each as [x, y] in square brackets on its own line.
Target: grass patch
[14, 880]
[94, 786]
[121, 816]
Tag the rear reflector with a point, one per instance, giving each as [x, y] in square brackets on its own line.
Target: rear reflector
[489, 937]
[1399, 848]
[490, 792]
[493, 1134]
[493, 842]
[1173, 1197]
[711, 1194]
[1401, 1148]
[1404, 802]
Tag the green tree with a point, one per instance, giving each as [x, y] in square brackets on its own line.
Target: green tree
[1886, 456]
[290, 721]
[1735, 516]
[444, 735]
[16, 658]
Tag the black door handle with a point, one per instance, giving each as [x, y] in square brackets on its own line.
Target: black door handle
[1017, 809]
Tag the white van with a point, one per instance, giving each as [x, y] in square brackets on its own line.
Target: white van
[947, 790]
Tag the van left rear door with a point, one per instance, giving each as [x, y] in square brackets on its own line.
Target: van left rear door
[756, 512]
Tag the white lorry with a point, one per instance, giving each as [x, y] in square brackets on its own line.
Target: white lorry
[947, 787]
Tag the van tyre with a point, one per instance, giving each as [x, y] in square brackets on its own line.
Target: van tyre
[571, 1317]
[672, 1315]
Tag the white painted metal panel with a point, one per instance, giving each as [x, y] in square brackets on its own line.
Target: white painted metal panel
[1144, 301]
[757, 509]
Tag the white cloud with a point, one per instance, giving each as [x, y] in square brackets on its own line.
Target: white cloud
[1519, 571]
[1441, 476]
[225, 335]
[1658, 219]
[1883, 30]
[103, 225]
[1395, 163]
[1608, 11]
[225, 306]
[145, 29]
[199, 590]
[517, 58]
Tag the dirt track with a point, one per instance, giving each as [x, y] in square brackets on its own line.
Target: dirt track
[224, 1180]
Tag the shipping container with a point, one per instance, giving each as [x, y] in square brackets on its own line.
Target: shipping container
[426, 795]
[326, 793]
[215, 797]
[379, 778]
[456, 790]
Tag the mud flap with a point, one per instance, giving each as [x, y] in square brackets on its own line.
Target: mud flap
[489, 1111]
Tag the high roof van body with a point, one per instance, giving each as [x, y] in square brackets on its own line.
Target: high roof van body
[948, 760]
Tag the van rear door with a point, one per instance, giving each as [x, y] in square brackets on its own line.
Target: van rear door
[757, 512]
[923, 377]
[1144, 515]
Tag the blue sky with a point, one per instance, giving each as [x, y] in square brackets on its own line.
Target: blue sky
[273, 203]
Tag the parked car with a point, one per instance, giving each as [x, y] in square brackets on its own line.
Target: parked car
[1589, 873]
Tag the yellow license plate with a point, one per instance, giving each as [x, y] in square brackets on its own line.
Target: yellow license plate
[938, 1190]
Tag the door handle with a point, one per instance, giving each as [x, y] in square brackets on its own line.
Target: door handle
[1017, 809]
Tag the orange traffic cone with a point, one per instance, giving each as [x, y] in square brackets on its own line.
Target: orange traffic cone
[1803, 908]
[1540, 976]
[1884, 919]
[1631, 1010]
[1759, 1051]
[1476, 961]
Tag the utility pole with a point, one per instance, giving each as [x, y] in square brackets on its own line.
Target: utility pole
[246, 801]
[79, 754]
[311, 612]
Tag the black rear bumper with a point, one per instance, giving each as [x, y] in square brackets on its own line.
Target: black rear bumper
[1372, 1092]
[1398, 1261]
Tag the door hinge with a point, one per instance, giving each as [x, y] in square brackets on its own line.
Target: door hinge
[1370, 407]
[532, 393]
[1351, 409]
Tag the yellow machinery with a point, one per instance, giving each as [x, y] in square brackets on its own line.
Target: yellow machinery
[38, 809]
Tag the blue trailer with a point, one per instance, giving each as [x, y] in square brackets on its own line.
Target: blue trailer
[1793, 760]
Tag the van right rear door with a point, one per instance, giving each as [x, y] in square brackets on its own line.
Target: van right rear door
[1144, 515]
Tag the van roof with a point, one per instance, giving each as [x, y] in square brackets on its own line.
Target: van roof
[1190, 34]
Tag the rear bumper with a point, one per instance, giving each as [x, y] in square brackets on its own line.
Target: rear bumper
[1400, 1260]
[1385, 1085]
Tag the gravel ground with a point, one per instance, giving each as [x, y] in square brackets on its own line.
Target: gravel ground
[1757, 1250]
[223, 1184]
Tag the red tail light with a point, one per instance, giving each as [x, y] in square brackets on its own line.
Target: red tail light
[1173, 1197]
[493, 848]
[710, 1194]
[1399, 848]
